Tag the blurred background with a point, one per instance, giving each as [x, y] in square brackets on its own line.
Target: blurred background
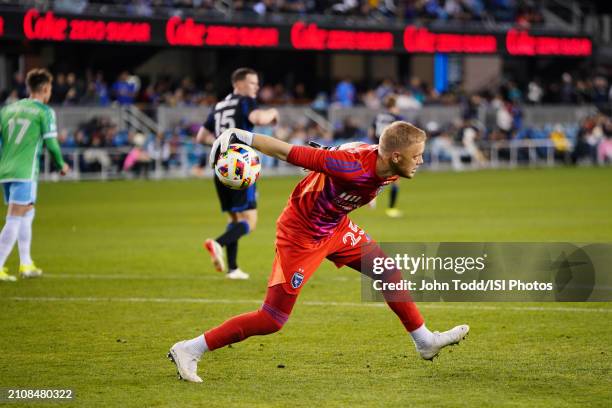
[496, 83]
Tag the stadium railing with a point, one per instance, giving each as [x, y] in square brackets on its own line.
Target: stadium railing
[532, 115]
[170, 117]
[107, 163]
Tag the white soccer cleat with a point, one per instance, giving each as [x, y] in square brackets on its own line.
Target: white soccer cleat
[237, 274]
[441, 340]
[216, 254]
[186, 363]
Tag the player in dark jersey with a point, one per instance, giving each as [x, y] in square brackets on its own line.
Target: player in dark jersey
[381, 121]
[238, 109]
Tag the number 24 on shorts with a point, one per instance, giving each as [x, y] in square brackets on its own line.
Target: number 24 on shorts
[354, 236]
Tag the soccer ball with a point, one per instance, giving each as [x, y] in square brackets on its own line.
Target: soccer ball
[238, 168]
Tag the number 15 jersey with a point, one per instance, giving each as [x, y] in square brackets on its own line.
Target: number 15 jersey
[233, 111]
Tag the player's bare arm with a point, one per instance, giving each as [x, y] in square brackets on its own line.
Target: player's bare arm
[204, 136]
[264, 117]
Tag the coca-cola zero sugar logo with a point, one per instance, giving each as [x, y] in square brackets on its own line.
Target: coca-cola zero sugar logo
[522, 43]
[422, 40]
[188, 32]
[311, 37]
[51, 27]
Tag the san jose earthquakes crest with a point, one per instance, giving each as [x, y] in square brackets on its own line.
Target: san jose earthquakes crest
[297, 279]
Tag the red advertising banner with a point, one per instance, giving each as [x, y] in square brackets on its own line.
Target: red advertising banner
[310, 37]
[423, 40]
[522, 43]
[188, 32]
[35, 25]
[47, 26]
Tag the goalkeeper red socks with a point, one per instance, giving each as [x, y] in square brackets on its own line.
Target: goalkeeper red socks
[408, 314]
[269, 319]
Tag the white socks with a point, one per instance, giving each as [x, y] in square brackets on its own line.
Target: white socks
[24, 238]
[197, 345]
[8, 236]
[422, 337]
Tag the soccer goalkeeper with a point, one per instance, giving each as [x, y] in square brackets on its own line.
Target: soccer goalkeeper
[313, 226]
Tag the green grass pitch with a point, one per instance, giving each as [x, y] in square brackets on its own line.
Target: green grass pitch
[126, 277]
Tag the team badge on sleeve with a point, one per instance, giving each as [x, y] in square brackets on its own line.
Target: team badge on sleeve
[297, 279]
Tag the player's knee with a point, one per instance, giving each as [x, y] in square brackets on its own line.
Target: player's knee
[252, 224]
[275, 319]
[250, 217]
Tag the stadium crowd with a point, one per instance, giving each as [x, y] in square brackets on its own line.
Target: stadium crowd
[492, 115]
[522, 12]
[462, 142]
[93, 88]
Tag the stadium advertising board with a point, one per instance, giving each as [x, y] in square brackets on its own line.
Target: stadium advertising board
[176, 31]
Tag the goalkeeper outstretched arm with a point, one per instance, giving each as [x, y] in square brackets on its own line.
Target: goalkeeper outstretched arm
[265, 144]
[332, 162]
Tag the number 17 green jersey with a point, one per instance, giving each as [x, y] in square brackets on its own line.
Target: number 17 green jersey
[24, 125]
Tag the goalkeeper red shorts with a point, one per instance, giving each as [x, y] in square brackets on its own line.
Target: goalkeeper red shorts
[295, 262]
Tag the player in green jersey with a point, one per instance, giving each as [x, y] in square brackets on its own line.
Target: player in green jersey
[24, 126]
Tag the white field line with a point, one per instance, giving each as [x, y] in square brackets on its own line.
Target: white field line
[459, 306]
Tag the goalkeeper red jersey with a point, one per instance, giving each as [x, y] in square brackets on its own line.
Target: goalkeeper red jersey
[340, 181]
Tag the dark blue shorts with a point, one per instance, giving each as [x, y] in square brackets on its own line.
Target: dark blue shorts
[236, 200]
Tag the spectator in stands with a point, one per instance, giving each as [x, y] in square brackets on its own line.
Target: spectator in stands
[60, 89]
[264, 7]
[95, 157]
[140, 8]
[600, 90]
[470, 135]
[72, 98]
[434, 10]
[73, 83]
[20, 87]
[102, 94]
[345, 7]
[321, 103]
[561, 144]
[385, 88]
[12, 97]
[70, 6]
[514, 93]
[590, 135]
[471, 109]
[345, 93]
[370, 100]
[138, 160]
[534, 92]
[443, 146]
[417, 88]
[124, 89]
[299, 94]
[406, 100]
[604, 150]
[350, 130]
[158, 149]
[567, 93]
